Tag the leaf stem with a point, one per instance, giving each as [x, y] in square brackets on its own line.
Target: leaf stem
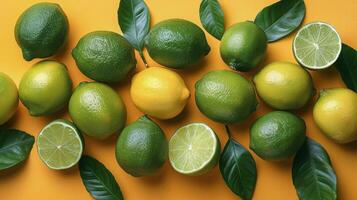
[228, 131]
[143, 58]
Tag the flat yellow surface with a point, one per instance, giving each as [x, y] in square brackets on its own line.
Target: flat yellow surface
[34, 181]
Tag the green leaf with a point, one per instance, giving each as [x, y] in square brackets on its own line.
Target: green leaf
[346, 64]
[134, 21]
[281, 18]
[98, 180]
[212, 18]
[238, 169]
[313, 176]
[15, 147]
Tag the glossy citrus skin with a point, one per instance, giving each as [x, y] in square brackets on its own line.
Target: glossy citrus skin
[284, 85]
[41, 30]
[97, 110]
[225, 96]
[104, 56]
[45, 88]
[142, 148]
[159, 92]
[277, 135]
[243, 46]
[176, 43]
[9, 98]
[335, 113]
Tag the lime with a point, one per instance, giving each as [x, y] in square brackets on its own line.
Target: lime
[159, 92]
[45, 88]
[141, 148]
[60, 144]
[335, 113]
[177, 43]
[243, 46]
[9, 98]
[284, 85]
[277, 135]
[225, 96]
[41, 30]
[194, 149]
[104, 56]
[317, 45]
[97, 110]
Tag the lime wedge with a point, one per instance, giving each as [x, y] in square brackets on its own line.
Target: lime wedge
[317, 45]
[60, 144]
[194, 149]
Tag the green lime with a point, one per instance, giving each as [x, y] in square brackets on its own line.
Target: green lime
[60, 144]
[243, 46]
[225, 96]
[9, 98]
[277, 135]
[194, 149]
[97, 110]
[177, 43]
[317, 45]
[45, 88]
[104, 56]
[41, 30]
[284, 85]
[141, 148]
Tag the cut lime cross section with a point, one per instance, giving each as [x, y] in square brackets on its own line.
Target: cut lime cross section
[194, 149]
[317, 45]
[60, 144]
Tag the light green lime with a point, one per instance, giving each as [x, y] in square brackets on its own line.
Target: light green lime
[194, 149]
[9, 98]
[60, 144]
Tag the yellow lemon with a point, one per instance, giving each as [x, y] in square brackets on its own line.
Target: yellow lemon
[335, 113]
[159, 92]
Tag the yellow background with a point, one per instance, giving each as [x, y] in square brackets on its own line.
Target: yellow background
[33, 180]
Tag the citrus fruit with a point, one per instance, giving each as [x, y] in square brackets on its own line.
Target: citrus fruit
[317, 45]
[225, 96]
[284, 85]
[159, 92]
[141, 149]
[97, 110]
[60, 144]
[9, 98]
[243, 46]
[45, 88]
[335, 113]
[277, 135]
[41, 30]
[176, 43]
[194, 149]
[104, 56]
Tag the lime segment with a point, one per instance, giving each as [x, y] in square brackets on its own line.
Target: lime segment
[194, 149]
[60, 145]
[317, 45]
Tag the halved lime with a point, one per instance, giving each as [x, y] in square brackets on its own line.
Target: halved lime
[194, 149]
[60, 144]
[317, 45]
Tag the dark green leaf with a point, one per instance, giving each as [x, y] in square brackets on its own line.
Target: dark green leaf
[346, 64]
[15, 147]
[281, 18]
[313, 176]
[212, 18]
[238, 169]
[134, 21]
[98, 180]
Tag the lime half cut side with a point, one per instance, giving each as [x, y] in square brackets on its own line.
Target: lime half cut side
[60, 144]
[194, 149]
[317, 45]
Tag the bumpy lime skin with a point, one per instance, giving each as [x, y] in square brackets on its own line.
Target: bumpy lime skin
[41, 30]
[177, 43]
[142, 148]
[104, 56]
[9, 98]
